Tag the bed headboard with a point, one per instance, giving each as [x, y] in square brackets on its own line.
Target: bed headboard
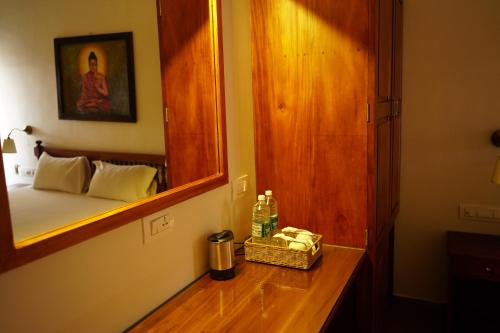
[156, 161]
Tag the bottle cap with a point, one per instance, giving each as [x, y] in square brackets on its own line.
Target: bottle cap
[261, 197]
[269, 193]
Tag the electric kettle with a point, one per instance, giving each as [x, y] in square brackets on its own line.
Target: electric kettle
[221, 255]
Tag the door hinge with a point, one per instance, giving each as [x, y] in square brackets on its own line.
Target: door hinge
[366, 237]
[368, 118]
[166, 114]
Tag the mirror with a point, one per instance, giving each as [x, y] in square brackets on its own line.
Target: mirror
[194, 134]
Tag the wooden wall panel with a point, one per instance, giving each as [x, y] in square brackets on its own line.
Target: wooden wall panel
[385, 23]
[397, 93]
[310, 72]
[383, 173]
[189, 89]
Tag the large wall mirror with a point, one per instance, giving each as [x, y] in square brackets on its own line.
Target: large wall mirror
[180, 128]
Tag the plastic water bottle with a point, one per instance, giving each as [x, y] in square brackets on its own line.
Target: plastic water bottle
[273, 211]
[261, 228]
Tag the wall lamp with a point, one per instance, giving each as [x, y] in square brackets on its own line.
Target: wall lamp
[495, 139]
[9, 146]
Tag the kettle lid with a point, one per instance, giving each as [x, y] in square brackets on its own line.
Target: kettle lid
[221, 237]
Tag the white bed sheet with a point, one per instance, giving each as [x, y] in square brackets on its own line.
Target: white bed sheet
[34, 212]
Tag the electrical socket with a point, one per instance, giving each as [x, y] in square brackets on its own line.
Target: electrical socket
[155, 225]
[26, 172]
[479, 212]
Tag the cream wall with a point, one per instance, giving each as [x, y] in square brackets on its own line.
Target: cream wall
[107, 283]
[28, 92]
[451, 107]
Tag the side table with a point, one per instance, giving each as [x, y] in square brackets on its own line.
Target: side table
[474, 282]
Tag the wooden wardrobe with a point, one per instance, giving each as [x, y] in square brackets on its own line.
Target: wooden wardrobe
[327, 106]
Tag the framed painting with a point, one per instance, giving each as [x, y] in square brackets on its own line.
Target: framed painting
[95, 77]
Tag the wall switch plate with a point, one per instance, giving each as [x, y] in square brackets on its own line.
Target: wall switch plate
[479, 212]
[239, 186]
[159, 224]
[156, 225]
[25, 171]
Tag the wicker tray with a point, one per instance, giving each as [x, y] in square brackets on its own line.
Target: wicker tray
[281, 256]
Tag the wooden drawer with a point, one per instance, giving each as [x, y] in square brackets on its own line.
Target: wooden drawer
[487, 269]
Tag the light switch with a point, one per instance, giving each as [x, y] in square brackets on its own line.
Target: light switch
[486, 213]
[155, 225]
[240, 186]
[479, 212]
[470, 212]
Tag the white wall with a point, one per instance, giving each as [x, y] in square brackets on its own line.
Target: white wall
[107, 283]
[28, 78]
[450, 102]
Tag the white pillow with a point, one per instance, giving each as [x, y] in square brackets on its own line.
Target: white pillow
[121, 182]
[67, 174]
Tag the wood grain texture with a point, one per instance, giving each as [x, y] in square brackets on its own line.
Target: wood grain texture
[463, 244]
[381, 283]
[397, 97]
[189, 79]
[384, 57]
[473, 282]
[6, 234]
[397, 64]
[310, 80]
[383, 147]
[261, 298]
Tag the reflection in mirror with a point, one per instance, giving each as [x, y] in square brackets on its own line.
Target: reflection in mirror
[184, 75]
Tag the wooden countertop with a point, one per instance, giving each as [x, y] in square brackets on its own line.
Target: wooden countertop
[261, 298]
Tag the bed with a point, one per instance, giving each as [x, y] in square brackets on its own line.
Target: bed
[46, 206]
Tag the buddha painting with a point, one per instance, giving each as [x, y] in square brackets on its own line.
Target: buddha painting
[95, 94]
[95, 76]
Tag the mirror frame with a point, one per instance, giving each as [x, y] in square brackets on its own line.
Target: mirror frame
[16, 254]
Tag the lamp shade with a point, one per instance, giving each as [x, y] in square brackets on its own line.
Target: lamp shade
[9, 146]
[496, 174]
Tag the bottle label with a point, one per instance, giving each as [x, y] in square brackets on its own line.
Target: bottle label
[260, 230]
[274, 222]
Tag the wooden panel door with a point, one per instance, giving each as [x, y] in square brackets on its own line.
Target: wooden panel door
[310, 69]
[383, 114]
[383, 126]
[189, 89]
[384, 47]
[382, 278]
[397, 90]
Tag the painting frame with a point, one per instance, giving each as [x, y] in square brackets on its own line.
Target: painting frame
[96, 77]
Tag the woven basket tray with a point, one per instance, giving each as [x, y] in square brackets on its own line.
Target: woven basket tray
[280, 256]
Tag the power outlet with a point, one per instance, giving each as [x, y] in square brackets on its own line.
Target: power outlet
[26, 172]
[156, 225]
[161, 224]
[479, 212]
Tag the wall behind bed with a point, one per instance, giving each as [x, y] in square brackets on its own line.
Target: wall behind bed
[28, 92]
[107, 283]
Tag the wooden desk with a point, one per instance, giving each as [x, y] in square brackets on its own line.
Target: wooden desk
[261, 298]
[474, 277]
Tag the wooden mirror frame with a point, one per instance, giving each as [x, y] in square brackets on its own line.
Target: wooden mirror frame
[16, 254]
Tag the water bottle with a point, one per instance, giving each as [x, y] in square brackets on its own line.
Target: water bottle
[261, 228]
[273, 211]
